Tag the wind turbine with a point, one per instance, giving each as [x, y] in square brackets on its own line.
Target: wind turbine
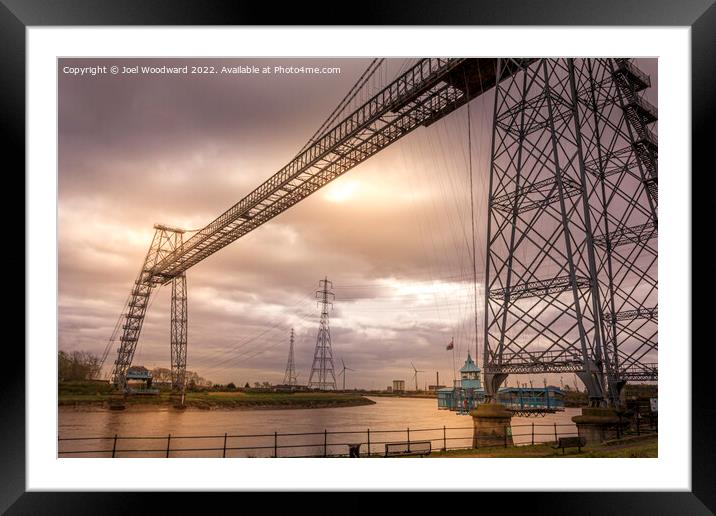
[415, 375]
[343, 372]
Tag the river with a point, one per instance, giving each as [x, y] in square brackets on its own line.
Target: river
[388, 420]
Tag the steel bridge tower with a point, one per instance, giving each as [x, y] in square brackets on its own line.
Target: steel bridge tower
[289, 378]
[178, 333]
[166, 241]
[323, 367]
[572, 224]
[620, 157]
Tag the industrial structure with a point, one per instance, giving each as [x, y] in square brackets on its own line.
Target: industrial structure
[415, 375]
[571, 279]
[322, 373]
[343, 373]
[289, 377]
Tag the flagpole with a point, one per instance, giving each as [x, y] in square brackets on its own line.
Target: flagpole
[454, 371]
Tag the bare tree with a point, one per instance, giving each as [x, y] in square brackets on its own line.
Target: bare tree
[77, 365]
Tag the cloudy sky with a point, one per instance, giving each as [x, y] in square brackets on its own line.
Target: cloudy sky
[393, 234]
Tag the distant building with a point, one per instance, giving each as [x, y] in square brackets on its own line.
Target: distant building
[389, 388]
[138, 373]
[289, 388]
[432, 388]
[139, 381]
[398, 385]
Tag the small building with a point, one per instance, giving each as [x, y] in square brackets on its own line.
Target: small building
[466, 392]
[389, 388]
[433, 388]
[398, 385]
[470, 375]
[139, 381]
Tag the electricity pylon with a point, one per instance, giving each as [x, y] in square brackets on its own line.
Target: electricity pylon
[322, 374]
[289, 378]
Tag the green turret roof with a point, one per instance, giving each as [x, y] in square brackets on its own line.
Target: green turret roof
[470, 366]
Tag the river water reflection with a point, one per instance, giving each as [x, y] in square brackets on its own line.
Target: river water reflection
[388, 420]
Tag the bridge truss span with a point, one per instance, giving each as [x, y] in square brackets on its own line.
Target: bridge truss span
[425, 93]
[422, 95]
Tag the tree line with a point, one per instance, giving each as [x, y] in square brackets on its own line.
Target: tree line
[193, 380]
[84, 365]
[77, 365]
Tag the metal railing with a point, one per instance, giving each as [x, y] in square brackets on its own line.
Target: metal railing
[300, 444]
[626, 66]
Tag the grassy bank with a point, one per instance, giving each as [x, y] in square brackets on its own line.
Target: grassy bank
[98, 395]
[404, 394]
[643, 448]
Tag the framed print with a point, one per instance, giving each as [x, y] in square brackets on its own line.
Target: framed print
[433, 243]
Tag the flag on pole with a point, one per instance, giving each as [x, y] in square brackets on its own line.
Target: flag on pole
[450, 346]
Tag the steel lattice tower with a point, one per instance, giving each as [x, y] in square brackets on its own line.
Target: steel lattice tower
[289, 378]
[542, 304]
[165, 241]
[178, 332]
[571, 270]
[620, 154]
[322, 368]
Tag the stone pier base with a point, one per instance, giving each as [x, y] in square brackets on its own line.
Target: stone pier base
[597, 425]
[177, 400]
[117, 401]
[491, 425]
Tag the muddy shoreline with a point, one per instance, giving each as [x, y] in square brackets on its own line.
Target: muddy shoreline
[196, 405]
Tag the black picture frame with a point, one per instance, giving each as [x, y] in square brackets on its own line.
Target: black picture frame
[700, 15]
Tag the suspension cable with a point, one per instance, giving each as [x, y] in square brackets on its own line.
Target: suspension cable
[362, 80]
[472, 218]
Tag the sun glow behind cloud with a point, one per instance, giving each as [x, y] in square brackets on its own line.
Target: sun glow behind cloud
[342, 190]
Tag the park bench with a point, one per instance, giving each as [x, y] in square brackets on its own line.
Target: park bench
[570, 442]
[354, 450]
[405, 448]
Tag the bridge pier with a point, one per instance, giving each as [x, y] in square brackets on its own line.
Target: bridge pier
[117, 401]
[599, 424]
[491, 425]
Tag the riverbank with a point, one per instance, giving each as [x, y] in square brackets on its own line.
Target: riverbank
[220, 400]
[644, 447]
[421, 395]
